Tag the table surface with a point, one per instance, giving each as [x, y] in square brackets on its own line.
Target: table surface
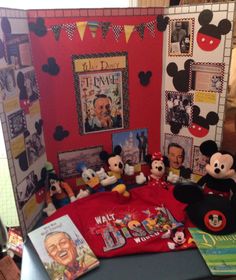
[182, 265]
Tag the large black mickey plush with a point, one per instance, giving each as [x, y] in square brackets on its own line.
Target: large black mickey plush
[209, 35]
[212, 213]
[200, 125]
[180, 77]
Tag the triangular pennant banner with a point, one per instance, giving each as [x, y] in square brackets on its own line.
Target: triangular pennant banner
[56, 29]
[151, 27]
[105, 28]
[93, 26]
[81, 26]
[117, 29]
[70, 29]
[128, 31]
[140, 29]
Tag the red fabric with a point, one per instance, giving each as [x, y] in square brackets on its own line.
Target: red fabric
[114, 225]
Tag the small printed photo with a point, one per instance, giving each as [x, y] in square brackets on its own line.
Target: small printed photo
[179, 107]
[26, 189]
[181, 37]
[68, 160]
[178, 149]
[17, 123]
[34, 147]
[207, 77]
[199, 162]
[134, 144]
[31, 86]
[8, 86]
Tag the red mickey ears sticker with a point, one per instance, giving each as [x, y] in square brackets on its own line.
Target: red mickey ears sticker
[215, 220]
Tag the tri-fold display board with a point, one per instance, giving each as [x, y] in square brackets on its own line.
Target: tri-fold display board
[153, 72]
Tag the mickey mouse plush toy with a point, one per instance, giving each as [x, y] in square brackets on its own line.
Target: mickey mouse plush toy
[116, 168]
[211, 204]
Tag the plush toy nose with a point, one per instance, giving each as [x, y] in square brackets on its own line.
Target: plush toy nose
[120, 165]
[53, 188]
[160, 168]
[217, 170]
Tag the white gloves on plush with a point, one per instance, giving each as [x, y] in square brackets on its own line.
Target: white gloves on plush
[72, 198]
[129, 169]
[50, 209]
[82, 193]
[140, 179]
[105, 180]
[172, 178]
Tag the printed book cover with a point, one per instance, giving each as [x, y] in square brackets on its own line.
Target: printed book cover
[218, 251]
[62, 249]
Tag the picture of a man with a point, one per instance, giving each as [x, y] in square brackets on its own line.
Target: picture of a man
[62, 249]
[176, 155]
[178, 34]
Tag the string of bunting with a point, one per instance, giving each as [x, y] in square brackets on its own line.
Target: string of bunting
[93, 26]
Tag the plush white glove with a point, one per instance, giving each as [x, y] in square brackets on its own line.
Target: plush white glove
[108, 181]
[102, 174]
[50, 209]
[72, 198]
[129, 169]
[140, 179]
[82, 193]
[172, 178]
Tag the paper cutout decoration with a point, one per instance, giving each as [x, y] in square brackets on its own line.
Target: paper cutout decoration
[200, 126]
[52, 68]
[38, 126]
[105, 26]
[151, 27]
[144, 77]
[38, 28]
[81, 26]
[128, 31]
[209, 35]
[59, 133]
[6, 26]
[162, 23]
[56, 29]
[93, 26]
[181, 77]
[140, 29]
[117, 29]
[23, 162]
[70, 29]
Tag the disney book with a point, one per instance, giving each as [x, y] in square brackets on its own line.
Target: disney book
[218, 251]
[62, 249]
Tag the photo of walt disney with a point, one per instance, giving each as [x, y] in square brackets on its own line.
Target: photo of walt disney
[101, 99]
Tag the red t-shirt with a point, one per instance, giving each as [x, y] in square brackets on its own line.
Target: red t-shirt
[150, 220]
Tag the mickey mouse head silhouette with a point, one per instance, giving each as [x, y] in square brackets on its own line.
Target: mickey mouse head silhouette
[200, 126]
[209, 35]
[180, 78]
[144, 77]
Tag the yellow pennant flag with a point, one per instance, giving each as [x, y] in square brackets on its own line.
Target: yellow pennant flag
[128, 31]
[81, 26]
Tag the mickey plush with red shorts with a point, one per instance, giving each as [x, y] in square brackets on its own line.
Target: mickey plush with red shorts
[212, 202]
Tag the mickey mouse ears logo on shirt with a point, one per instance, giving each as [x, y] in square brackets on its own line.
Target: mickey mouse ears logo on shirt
[209, 35]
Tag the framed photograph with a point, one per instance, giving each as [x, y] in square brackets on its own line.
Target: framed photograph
[8, 86]
[17, 123]
[199, 162]
[34, 147]
[178, 107]
[31, 85]
[68, 160]
[26, 189]
[181, 37]
[101, 91]
[184, 146]
[207, 77]
[134, 144]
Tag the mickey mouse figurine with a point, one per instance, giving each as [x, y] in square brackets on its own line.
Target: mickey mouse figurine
[220, 171]
[117, 168]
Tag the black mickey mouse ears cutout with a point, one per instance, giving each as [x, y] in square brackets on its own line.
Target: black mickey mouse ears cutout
[52, 68]
[38, 27]
[23, 162]
[6, 26]
[144, 77]
[60, 134]
[162, 23]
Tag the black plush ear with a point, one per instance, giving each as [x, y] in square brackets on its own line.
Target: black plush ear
[208, 148]
[117, 150]
[188, 192]
[104, 156]
[166, 161]
[148, 159]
